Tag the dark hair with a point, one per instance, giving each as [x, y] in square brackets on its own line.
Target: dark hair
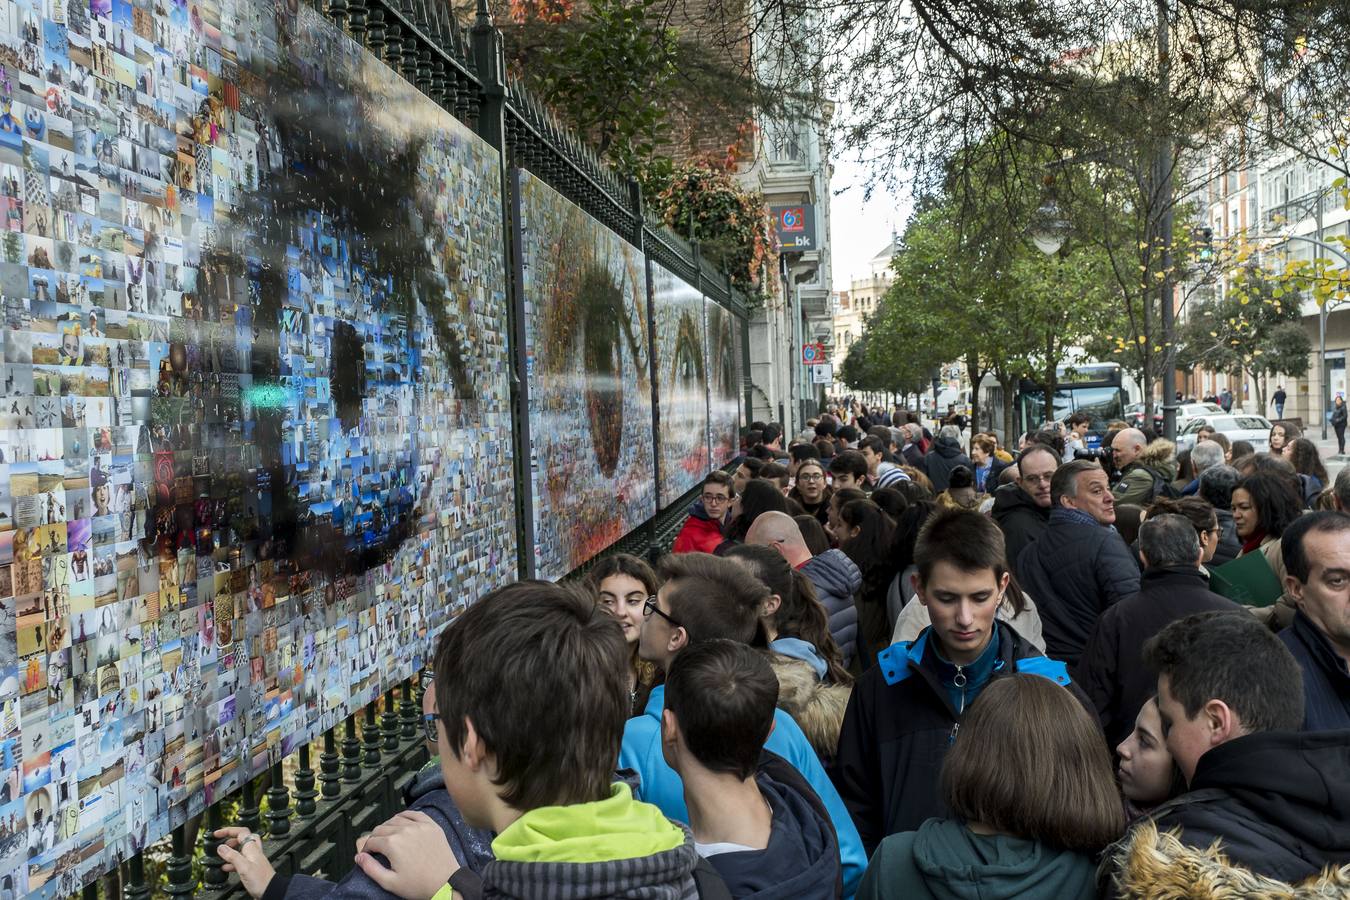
[1078, 418]
[827, 426]
[1242, 448]
[1290, 430]
[871, 547]
[891, 501]
[725, 479]
[772, 432]
[802, 452]
[761, 453]
[873, 443]
[1216, 485]
[1038, 447]
[754, 437]
[1233, 657]
[1307, 460]
[847, 433]
[841, 497]
[1292, 551]
[1064, 483]
[621, 564]
[774, 471]
[825, 448]
[1052, 785]
[1128, 518]
[758, 497]
[723, 695]
[800, 614]
[1197, 510]
[752, 465]
[967, 540]
[553, 748]
[712, 597]
[1274, 500]
[817, 541]
[1169, 539]
[911, 490]
[1185, 468]
[849, 462]
[961, 477]
[1052, 439]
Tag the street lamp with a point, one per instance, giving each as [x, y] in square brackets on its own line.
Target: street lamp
[1048, 228]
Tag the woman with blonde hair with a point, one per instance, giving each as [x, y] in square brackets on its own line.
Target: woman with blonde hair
[1031, 805]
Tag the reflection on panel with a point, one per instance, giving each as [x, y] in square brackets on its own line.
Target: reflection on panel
[723, 369]
[681, 383]
[589, 380]
[255, 442]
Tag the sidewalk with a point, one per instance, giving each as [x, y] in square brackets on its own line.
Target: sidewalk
[1327, 448]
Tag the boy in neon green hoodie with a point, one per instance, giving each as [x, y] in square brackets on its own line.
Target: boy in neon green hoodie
[531, 699]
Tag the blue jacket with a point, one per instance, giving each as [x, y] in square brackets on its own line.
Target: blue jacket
[471, 846]
[1326, 678]
[659, 784]
[801, 860]
[836, 579]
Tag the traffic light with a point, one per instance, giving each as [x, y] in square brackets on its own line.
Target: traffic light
[1205, 244]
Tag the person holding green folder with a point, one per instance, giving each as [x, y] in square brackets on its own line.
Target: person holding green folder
[1264, 505]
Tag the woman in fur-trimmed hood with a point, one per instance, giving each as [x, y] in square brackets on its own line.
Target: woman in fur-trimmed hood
[1152, 866]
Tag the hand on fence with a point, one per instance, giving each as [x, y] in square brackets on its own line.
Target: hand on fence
[420, 858]
[243, 854]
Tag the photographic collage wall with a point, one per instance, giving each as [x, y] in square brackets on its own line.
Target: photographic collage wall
[724, 381]
[255, 432]
[681, 384]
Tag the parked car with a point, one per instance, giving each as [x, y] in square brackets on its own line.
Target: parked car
[1134, 416]
[1188, 411]
[1253, 429]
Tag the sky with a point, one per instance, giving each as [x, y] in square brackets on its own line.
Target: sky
[859, 230]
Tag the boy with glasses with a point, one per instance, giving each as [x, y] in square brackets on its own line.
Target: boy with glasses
[702, 532]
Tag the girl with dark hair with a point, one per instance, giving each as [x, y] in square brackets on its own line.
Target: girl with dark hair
[834, 527]
[1264, 505]
[1148, 775]
[1281, 433]
[865, 537]
[621, 585]
[1031, 807]
[1306, 460]
[757, 498]
[794, 622]
[891, 501]
[817, 541]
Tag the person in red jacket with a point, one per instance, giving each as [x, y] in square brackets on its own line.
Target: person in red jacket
[702, 531]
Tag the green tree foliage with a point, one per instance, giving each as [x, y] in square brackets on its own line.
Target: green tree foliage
[1255, 329]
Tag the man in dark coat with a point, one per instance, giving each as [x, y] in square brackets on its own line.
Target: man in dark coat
[1080, 566]
[1022, 509]
[1110, 670]
[1275, 800]
[1316, 550]
[904, 711]
[945, 456]
[1216, 486]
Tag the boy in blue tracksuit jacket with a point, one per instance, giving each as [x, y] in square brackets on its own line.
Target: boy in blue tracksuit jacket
[709, 598]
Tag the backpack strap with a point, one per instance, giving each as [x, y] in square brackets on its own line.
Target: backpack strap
[707, 883]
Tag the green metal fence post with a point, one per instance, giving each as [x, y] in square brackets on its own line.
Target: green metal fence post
[213, 876]
[351, 751]
[330, 766]
[305, 793]
[389, 722]
[278, 804]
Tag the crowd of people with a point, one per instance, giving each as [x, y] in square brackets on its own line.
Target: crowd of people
[881, 663]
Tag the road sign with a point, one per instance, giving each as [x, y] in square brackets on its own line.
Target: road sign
[813, 354]
[795, 226]
[822, 374]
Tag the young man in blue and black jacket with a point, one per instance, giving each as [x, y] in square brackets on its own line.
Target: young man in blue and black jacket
[906, 710]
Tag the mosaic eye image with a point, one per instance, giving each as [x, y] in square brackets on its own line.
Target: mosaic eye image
[589, 377]
[255, 435]
[724, 379]
[681, 384]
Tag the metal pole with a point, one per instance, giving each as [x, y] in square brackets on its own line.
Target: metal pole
[1322, 330]
[1168, 311]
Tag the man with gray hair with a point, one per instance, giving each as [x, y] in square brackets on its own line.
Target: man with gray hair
[1111, 670]
[1204, 455]
[945, 456]
[1216, 485]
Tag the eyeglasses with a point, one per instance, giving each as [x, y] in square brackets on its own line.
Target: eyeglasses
[715, 498]
[650, 607]
[1039, 479]
[814, 476]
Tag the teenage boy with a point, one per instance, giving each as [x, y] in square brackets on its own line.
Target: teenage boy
[904, 711]
[535, 763]
[848, 469]
[702, 531]
[704, 598]
[762, 828]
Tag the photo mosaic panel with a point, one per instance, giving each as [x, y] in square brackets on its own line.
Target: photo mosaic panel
[681, 384]
[589, 380]
[255, 442]
[724, 351]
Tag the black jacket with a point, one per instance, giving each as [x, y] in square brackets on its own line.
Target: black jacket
[1338, 416]
[1278, 802]
[1020, 519]
[945, 456]
[1074, 572]
[1229, 545]
[1111, 671]
[898, 726]
[1326, 679]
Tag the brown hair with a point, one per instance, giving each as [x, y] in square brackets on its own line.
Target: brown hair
[553, 747]
[1052, 785]
[711, 597]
